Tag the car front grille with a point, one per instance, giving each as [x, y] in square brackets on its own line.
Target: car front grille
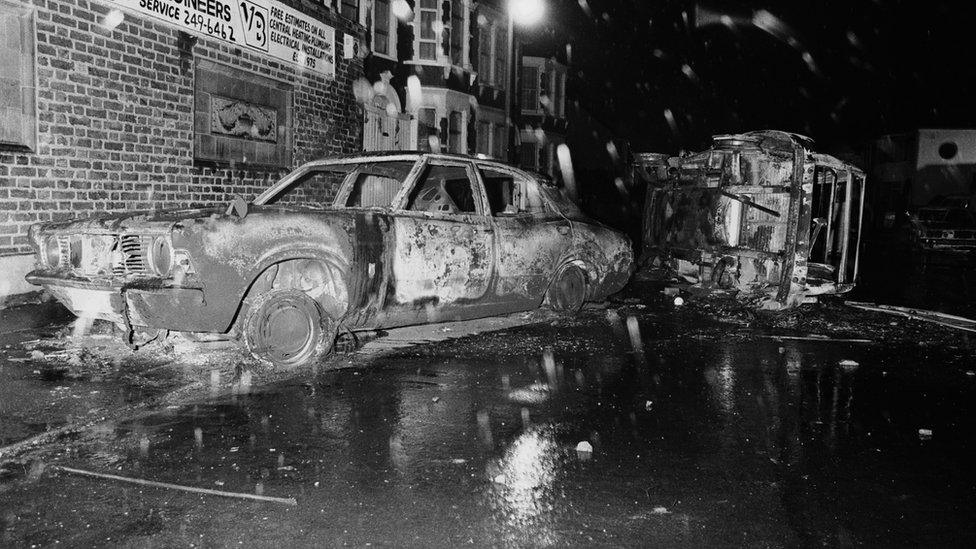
[116, 255]
[134, 257]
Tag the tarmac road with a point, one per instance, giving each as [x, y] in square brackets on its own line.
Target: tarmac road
[704, 431]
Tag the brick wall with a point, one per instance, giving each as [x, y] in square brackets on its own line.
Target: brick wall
[115, 118]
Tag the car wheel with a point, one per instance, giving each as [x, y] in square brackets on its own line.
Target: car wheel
[568, 290]
[287, 329]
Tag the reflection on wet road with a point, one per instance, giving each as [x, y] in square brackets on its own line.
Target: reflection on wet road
[701, 442]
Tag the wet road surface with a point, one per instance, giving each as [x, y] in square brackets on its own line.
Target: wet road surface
[701, 440]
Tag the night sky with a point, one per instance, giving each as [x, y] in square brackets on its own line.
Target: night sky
[840, 71]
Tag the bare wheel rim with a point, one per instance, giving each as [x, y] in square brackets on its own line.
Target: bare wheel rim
[569, 289]
[286, 331]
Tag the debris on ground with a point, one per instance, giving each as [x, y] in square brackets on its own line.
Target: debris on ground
[935, 317]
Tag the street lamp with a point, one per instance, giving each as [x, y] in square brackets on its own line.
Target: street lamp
[525, 13]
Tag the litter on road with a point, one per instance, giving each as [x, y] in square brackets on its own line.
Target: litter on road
[143, 482]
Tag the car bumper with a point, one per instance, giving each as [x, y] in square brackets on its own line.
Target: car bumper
[151, 307]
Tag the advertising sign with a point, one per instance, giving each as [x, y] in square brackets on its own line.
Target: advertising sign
[264, 26]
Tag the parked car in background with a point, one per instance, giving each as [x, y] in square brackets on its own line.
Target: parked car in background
[358, 242]
[946, 224]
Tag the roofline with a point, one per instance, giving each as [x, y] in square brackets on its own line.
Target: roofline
[417, 155]
[393, 156]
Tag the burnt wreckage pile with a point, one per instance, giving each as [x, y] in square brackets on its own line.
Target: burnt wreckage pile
[760, 215]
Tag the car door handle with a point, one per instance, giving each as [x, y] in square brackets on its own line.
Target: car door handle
[563, 229]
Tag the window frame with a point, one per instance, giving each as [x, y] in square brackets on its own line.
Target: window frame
[391, 30]
[456, 139]
[502, 58]
[486, 37]
[27, 15]
[482, 209]
[419, 39]
[536, 88]
[535, 156]
[349, 9]
[518, 177]
[443, 35]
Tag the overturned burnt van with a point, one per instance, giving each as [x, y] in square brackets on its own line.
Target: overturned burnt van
[758, 214]
[352, 243]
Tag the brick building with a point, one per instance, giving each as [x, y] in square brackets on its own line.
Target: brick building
[115, 105]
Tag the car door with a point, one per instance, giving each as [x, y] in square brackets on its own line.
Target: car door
[443, 256]
[531, 238]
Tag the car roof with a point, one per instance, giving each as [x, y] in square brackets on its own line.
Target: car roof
[413, 156]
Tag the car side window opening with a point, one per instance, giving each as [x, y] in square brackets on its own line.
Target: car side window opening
[374, 185]
[443, 189]
[347, 185]
[314, 189]
[509, 196]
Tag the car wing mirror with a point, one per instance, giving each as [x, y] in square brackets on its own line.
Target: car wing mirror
[237, 206]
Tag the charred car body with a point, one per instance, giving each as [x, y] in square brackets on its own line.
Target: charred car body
[947, 224]
[408, 238]
[759, 214]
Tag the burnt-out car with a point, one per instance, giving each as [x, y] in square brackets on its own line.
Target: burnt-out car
[759, 215]
[947, 224]
[352, 243]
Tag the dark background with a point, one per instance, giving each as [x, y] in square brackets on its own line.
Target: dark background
[873, 67]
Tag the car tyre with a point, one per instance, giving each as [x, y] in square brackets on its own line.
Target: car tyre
[287, 329]
[567, 291]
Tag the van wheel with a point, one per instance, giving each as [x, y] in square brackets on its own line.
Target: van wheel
[567, 291]
[287, 329]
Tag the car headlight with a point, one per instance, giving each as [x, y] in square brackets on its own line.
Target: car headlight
[161, 256]
[52, 252]
[75, 252]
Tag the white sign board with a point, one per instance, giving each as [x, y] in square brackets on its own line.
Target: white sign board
[264, 26]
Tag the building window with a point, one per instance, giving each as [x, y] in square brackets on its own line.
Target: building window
[501, 57]
[241, 117]
[457, 37]
[500, 142]
[529, 156]
[530, 88]
[428, 36]
[545, 159]
[484, 53]
[349, 9]
[545, 92]
[560, 95]
[427, 130]
[18, 113]
[484, 137]
[454, 134]
[381, 27]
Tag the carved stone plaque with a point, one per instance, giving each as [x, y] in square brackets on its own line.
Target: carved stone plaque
[236, 118]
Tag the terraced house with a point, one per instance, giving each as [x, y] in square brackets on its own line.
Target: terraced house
[441, 70]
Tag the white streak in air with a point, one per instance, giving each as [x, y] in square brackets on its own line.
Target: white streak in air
[113, 19]
[566, 167]
[633, 328]
[401, 10]
[414, 93]
[549, 364]
[363, 91]
[82, 325]
[621, 188]
[672, 123]
[612, 151]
